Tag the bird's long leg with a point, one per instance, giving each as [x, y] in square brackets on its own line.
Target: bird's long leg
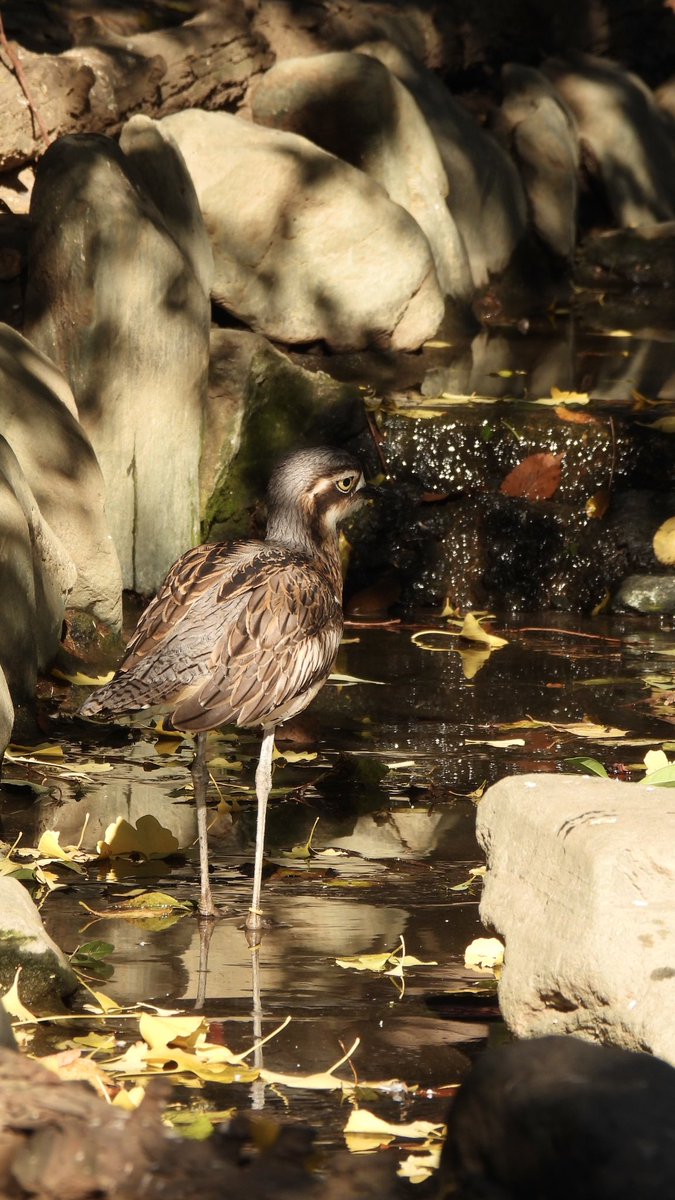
[200, 777]
[263, 784]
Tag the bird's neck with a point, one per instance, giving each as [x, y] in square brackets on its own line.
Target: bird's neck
[319, 545]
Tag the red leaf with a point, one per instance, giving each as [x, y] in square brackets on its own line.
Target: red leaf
[537, 477]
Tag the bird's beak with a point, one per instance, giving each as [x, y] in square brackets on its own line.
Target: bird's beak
[371, 491]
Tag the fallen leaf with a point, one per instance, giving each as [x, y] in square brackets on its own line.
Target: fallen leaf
[573, 416]
[596, 506]
[147, 837]
[13, 1004]
[473, 631]
[497, 743]
[590, 765]
[419, 1167]
[362, 1123]
[484, 954]
[537, 477]
[664, 542]
[81, 680]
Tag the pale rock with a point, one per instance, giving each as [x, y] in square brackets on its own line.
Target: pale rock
[306, 247]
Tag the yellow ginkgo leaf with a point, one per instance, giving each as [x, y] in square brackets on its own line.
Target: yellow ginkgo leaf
[81, 680]
[484, 954]
[473, 631]
[13, 1004]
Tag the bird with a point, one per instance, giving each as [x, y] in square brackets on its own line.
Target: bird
[246, 632]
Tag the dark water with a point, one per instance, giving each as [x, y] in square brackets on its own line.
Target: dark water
[395, 760]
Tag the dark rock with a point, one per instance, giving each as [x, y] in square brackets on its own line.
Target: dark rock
[555, 1118]
[644, 256]
[646, 594]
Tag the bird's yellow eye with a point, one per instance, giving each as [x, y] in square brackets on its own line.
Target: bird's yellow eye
[346, 484]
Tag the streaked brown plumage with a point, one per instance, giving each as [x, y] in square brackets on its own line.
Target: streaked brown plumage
[246, 633]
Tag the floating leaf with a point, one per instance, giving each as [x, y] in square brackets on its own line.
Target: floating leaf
[419, 1167]
[573, 416]
[484, 954]
[364, 1130]
[320, 1081]
[295, 756]
[590, 765]
[473, 631]
[147, 837]
[496, 743]
[537, 477]
[304, 849]
[81, 680]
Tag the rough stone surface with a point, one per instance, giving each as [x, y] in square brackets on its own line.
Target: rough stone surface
[486, 196]
[628, 137]
[557, 1118]
[306, 248]
[114, 302]
[543, 137]
[37, 578]
[164, 176]
[46, 974]
[354, 107]
[646, 594]
[38, 417]
[580, 887]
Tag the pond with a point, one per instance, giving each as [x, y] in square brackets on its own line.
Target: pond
[383, 774]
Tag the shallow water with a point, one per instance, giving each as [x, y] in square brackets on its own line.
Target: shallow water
[395, 761]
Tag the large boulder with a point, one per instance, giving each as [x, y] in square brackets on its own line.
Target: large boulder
[38, 577]
[260, 406]
[114, 301]
[306, 247]
[354, 107]
[486, 197]
[557, 1118]
[629, 139]
[39, 419]
[543, 138]
[580, 886]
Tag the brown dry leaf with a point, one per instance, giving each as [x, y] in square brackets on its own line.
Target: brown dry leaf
[574, 416]
[596, 506]
[72, 1065]
[537, 477]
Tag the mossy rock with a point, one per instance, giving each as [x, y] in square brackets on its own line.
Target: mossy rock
[46, 975]
[283, 407]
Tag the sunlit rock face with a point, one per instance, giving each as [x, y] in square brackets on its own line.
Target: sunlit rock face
[116, 304]
[354, 107]
[306, 247]
[580, 888]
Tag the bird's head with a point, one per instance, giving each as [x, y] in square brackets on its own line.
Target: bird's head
[313, 490]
